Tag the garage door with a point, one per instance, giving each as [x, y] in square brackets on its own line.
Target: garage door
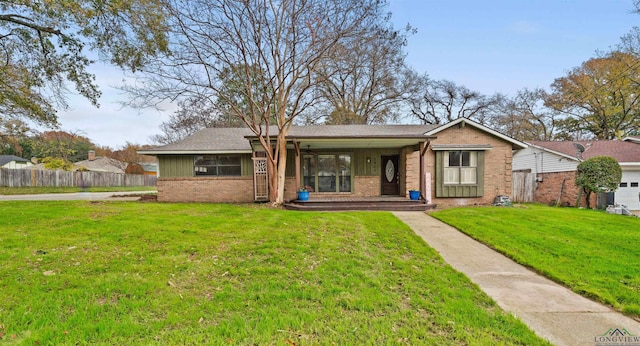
[629, 191]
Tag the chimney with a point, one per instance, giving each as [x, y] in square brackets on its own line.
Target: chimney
[91, 155]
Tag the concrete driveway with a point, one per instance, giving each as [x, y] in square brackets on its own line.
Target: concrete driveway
[79, 196]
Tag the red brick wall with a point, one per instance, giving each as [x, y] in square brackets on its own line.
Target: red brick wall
[206, 189]
[549, 185]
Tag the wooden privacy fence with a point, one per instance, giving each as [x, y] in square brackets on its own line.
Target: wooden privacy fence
[28, 177]
[523, 187]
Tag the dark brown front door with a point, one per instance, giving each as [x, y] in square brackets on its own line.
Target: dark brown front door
[389, 176]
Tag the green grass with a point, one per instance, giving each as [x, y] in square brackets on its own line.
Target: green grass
[593, 253]
[66, 189]
[149, 273]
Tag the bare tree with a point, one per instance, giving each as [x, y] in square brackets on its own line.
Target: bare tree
[287, 41]
[367, 78]
[525, 116]
[193, 115]
[443, 101]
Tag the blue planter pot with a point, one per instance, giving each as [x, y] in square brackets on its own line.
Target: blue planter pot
[303, 196]
[414, 195]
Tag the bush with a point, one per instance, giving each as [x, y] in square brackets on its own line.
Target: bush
[597, 174]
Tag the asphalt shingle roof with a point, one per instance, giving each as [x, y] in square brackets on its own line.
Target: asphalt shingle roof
[4, 159]
[619, 150]
[210, 139]
[234, 139]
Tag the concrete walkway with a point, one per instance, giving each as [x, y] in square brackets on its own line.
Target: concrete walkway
[78, 196]
[551, 310]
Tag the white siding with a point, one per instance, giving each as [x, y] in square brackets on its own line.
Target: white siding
[16, 165]
[540, 161]
[629, 195]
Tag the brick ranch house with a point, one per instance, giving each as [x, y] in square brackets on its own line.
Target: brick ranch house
[459, 163]
[555, 163]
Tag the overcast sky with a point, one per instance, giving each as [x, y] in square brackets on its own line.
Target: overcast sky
[489, 46]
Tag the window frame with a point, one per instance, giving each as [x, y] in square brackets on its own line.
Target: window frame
[460, 167]
[217, 165]
[448, 188]
[337, 176]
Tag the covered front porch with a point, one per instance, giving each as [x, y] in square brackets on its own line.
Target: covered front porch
[371, 169]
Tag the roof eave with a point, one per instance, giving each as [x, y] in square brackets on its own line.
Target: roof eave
[193, 152]
[515, 144]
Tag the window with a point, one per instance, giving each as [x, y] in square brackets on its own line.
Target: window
[327, 172]
[634, 184]
[309, 172]
[623, 184]
[460, 167]
[459, 173]
[218, 165]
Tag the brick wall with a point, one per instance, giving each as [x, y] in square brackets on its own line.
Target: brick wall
[549, 185]
[206, 189]
[366, 186]
[412, 168]
[497, 168]
[290, 189]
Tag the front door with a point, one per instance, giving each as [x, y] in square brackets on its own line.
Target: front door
[390, 183]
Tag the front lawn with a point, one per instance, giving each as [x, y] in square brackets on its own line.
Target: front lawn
[594, 253]
[121, 273]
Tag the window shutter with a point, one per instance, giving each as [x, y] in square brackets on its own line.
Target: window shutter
[440, 190]
[480, 172]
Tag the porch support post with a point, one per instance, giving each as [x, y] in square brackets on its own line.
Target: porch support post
[424, 146]
[296, 146]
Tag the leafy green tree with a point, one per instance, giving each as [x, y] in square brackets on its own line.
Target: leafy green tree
[43, 48]
[597, 174]
[69, 147]
[600, 97]
[57, 163]
[13, 134]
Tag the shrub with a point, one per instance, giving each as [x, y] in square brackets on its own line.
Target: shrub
[599, 173]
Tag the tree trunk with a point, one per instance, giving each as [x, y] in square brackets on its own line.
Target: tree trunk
[579, 197]
[282, 167]
[273, 178]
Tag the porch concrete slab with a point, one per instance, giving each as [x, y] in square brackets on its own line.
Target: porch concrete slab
[551, 310]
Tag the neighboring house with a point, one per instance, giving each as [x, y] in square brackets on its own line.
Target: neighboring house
[462, 163]
[14, 162]
[555, 164]
[632, 139]
[101, 164]
[149, 168]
